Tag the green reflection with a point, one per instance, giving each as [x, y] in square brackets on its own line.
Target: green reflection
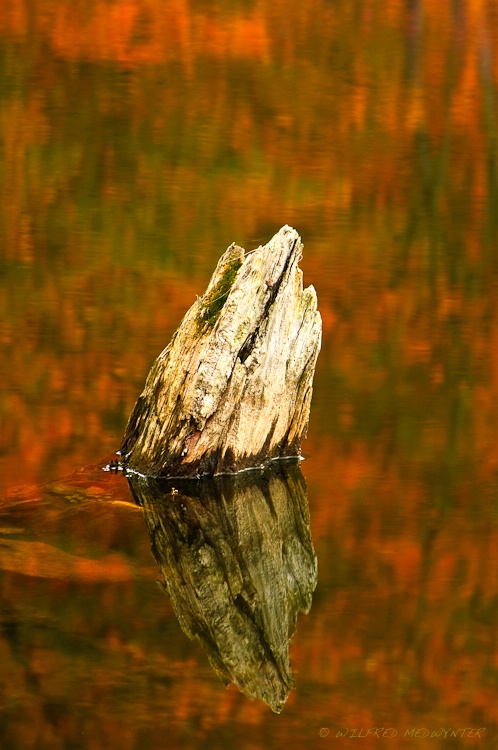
[238, 563]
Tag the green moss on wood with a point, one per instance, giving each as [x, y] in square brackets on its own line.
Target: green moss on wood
[212, 303]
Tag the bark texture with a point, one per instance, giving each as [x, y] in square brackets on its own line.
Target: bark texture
[238, 563]
[233, 388]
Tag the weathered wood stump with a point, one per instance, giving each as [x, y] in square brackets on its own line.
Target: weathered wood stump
[233, 387]
[237, 561]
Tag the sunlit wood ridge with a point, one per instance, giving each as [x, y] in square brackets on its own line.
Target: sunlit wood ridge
[233, 388]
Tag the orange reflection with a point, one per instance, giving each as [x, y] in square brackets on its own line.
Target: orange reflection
[138, 142]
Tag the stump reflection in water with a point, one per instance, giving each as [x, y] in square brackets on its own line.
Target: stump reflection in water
[238, 563]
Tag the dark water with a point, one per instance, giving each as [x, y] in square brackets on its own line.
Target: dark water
[139, 141]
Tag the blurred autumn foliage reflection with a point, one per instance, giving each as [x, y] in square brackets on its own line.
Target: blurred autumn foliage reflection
[138, 141]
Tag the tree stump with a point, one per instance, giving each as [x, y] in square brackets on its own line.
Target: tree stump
[233, 387]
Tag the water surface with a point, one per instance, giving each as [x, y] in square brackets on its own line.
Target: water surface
[138, 142]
